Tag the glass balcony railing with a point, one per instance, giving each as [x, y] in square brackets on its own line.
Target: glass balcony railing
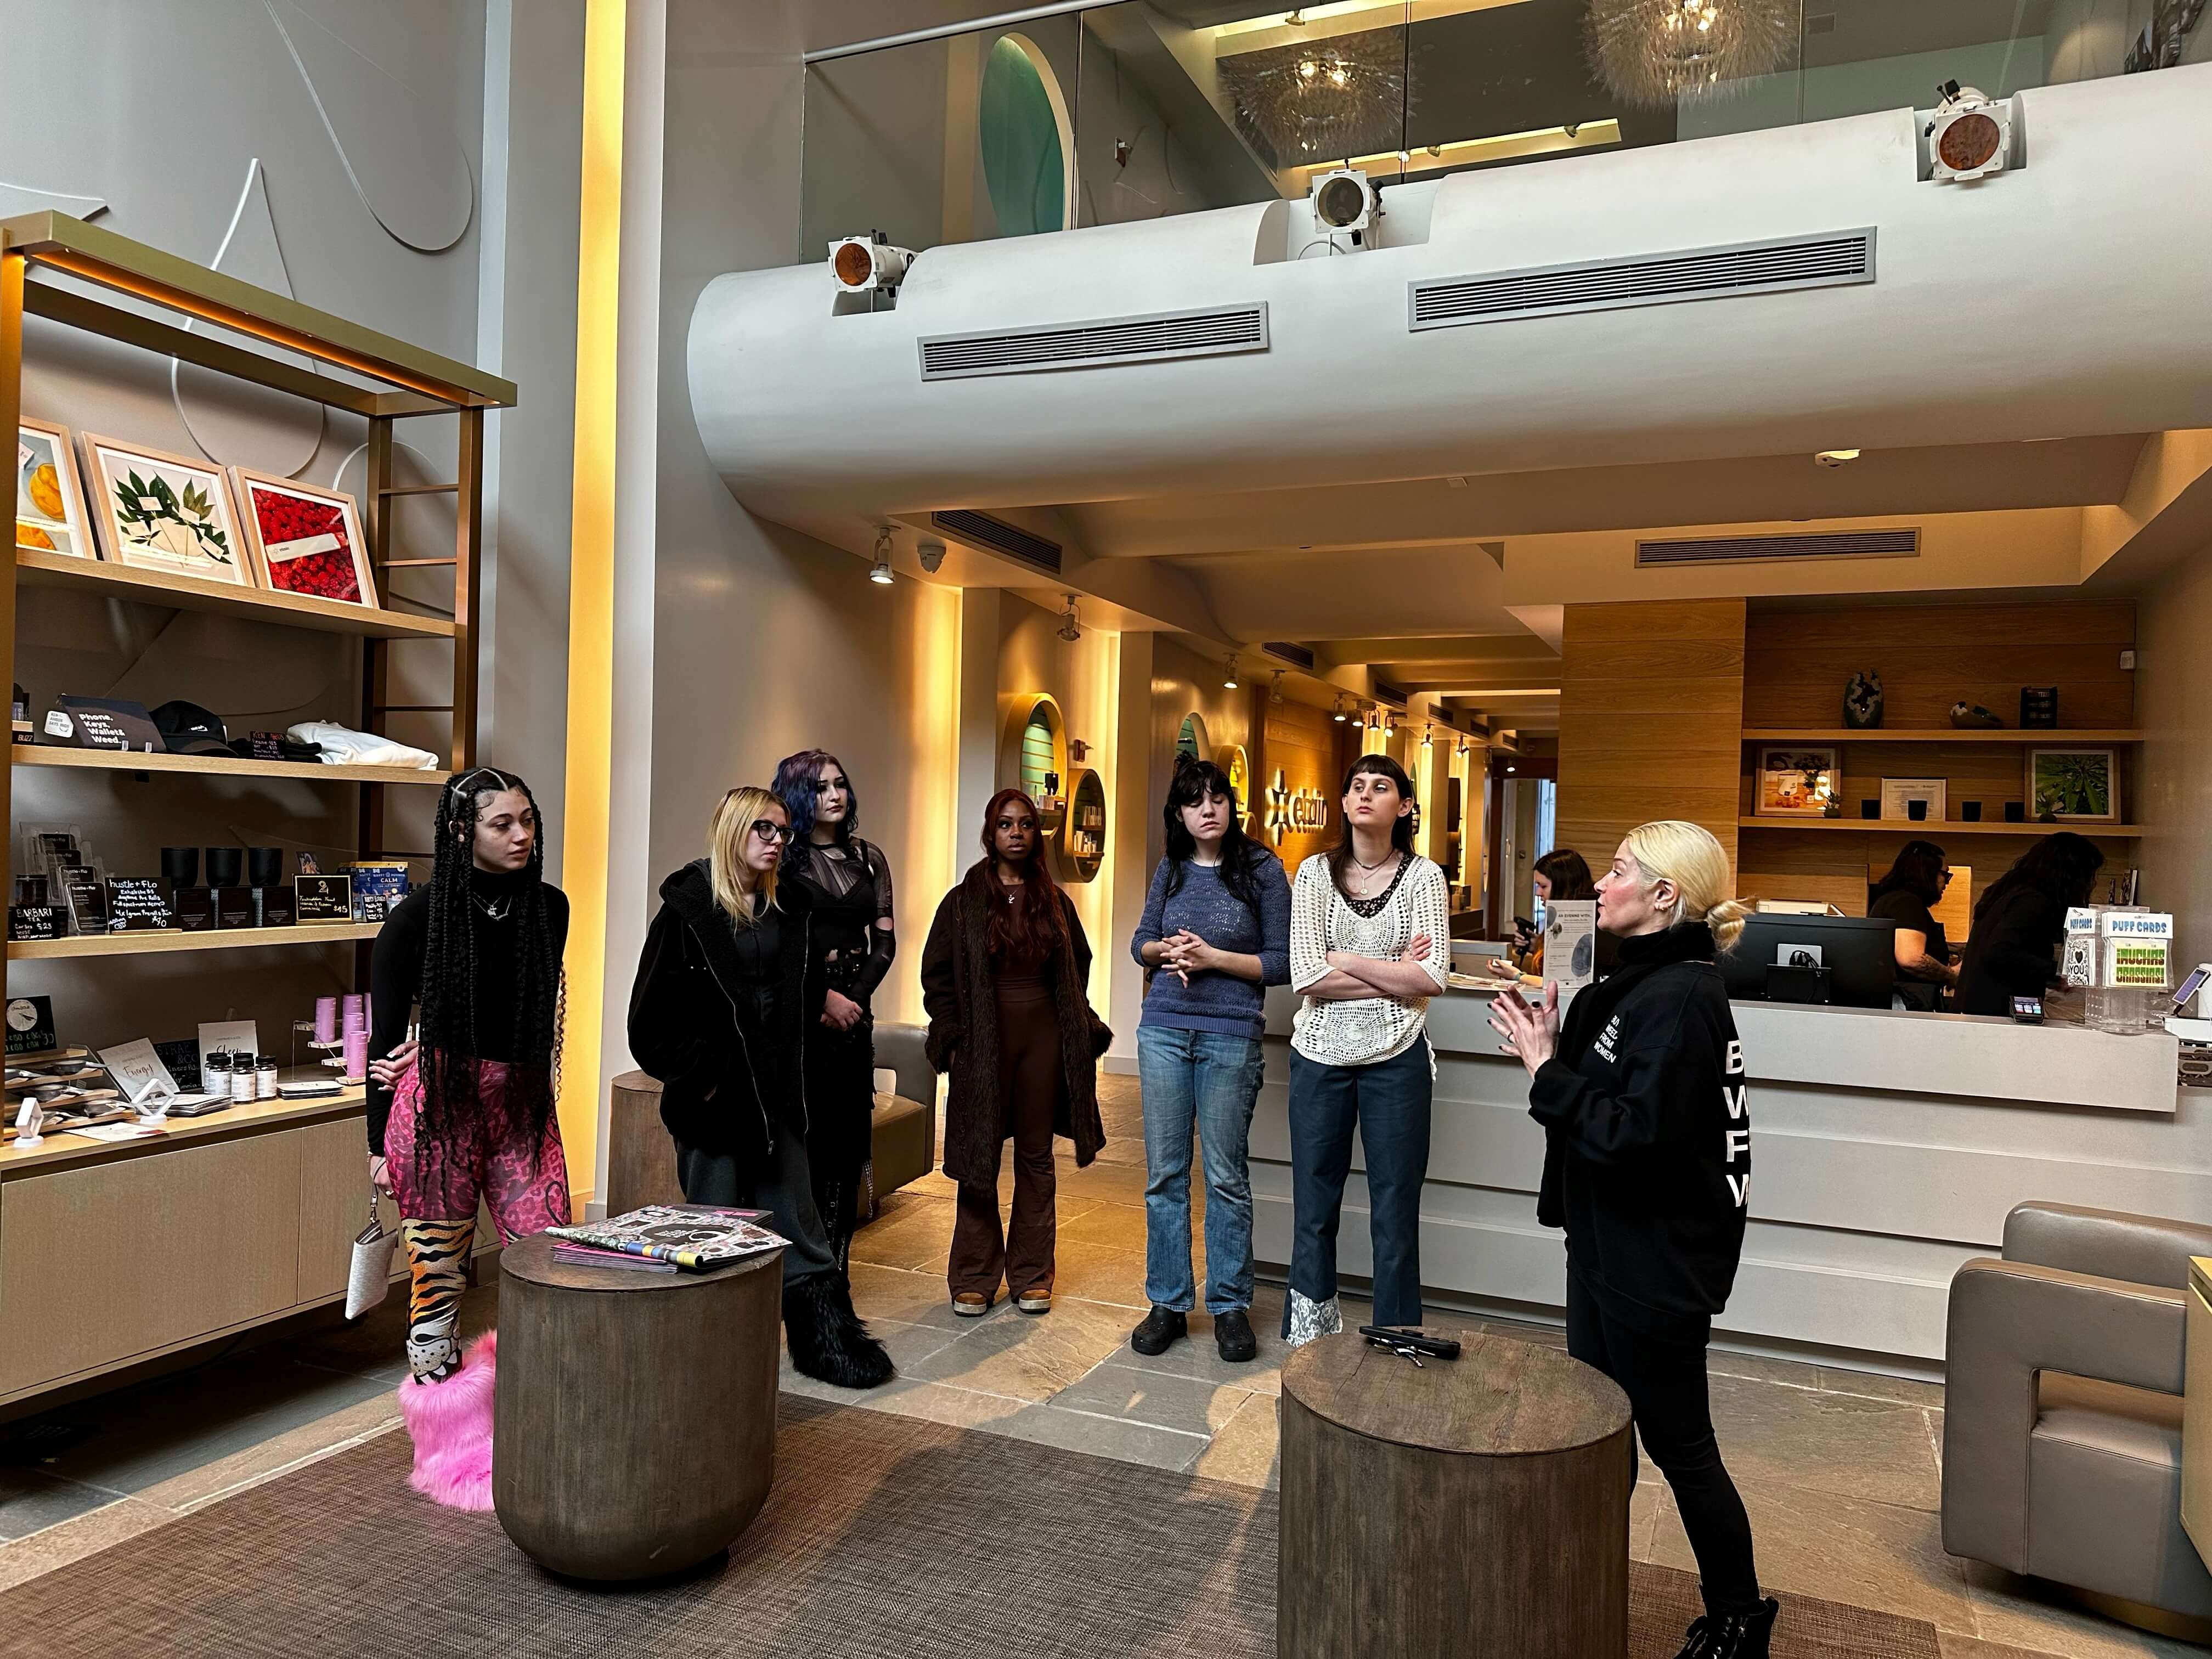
[1151, 108]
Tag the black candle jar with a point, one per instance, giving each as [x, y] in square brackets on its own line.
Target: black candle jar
[181, 866]
[265, 866]
[225, 865]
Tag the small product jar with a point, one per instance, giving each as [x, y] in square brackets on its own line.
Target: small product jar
[241, 1078]
[215, 1076]
[265, 1080]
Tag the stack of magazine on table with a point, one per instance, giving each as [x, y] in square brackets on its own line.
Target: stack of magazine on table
[666, 1238]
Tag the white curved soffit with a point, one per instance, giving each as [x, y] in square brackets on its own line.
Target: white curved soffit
[2032, 305]
[234, 422]
[400, 154]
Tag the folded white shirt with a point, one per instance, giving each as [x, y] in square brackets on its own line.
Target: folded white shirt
[343, 746]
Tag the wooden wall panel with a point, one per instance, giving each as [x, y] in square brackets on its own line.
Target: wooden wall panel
[1930, 656]
[1302, 743]
[1650, 720]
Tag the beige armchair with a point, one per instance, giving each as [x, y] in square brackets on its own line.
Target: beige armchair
[2061, 1422]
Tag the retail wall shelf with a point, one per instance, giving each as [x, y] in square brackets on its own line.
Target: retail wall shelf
[1946, 828]
[233, 938]
[227, 766]
[1940, 734]
[181, 592]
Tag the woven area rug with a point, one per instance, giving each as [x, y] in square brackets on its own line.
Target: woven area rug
[884, 1535]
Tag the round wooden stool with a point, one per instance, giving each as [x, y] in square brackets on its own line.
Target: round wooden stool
[1476, 1505]
[634, 1429]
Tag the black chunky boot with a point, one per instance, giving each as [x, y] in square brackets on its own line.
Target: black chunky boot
[1733, 1635]
[1161, 1329]
[827, 1340]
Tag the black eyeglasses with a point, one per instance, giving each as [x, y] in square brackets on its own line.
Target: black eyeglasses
[823, 786]
[769, 830]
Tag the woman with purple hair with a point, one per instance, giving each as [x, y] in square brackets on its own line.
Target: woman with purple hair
[846, 885]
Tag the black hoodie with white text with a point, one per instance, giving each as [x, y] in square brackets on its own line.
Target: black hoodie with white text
[1647, 1157]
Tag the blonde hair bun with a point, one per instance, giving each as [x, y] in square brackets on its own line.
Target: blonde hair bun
[1686, 853]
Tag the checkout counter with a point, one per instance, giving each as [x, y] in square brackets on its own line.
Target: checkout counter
[1887, 1147]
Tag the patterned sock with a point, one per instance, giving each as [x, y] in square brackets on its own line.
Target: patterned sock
[437, 1259]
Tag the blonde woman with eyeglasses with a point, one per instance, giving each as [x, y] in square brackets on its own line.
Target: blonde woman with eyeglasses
[1647, 1165]
[719, 1015]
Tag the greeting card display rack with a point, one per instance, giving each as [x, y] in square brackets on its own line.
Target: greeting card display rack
[47, 261]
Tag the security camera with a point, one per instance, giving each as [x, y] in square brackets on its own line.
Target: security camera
[931, 555]
[1343, 200]
[862, 265]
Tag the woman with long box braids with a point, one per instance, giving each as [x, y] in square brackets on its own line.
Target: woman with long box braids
[846, 884]
[1647, 1165]
[471, 1118]
[719, 1013]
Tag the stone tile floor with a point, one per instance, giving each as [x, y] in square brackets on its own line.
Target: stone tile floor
[1841, 1469]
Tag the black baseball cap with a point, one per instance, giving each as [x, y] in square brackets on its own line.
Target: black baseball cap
[189, 729]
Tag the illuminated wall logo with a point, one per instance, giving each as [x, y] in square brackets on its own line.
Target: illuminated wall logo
[1302, 811]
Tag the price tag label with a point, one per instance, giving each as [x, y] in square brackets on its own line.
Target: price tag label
[282, 552]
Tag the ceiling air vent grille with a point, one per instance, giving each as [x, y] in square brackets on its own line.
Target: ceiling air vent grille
[1209, 333]
[1811, 545]
[1650, 279]
[982, 529]
[1298, 655]
[1386, 692]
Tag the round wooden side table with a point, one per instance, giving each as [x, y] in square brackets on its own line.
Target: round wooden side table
[634, 1428]
[1476, 1505]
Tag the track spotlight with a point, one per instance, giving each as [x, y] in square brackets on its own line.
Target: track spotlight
[1275, 689]
[1343, 199]
[1428, 739]
[1070, 630]
[1340, 715]
[1970, 134]
[1229, 683]
[880, 572]
[860, 264]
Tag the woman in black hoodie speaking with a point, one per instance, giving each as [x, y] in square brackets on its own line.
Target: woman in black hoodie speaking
[1647, 1164]
[718, 1015]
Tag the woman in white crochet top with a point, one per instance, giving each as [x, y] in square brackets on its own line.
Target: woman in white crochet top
[1370, 926]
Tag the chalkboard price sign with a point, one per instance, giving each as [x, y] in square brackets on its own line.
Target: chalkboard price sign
[324, 898]
[137, 904]
[34, 921]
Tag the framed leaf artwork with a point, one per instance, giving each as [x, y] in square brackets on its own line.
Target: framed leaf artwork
[160, 512]
[50, 516]
[305, 540]
[2074, 786]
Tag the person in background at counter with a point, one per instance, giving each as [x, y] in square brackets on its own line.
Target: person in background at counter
[1561, 873]
[468, 1113]
[1370, 945]
[1216, 931]
[1908, 895]
[1647, 1164]
[2020, 919]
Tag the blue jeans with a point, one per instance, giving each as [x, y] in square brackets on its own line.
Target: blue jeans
[1389, 1102]
[1211, 1080]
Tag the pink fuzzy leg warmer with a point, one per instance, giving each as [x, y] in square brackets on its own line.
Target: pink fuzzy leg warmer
[451, 1424]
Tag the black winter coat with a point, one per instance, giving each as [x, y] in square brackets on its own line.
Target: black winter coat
[1647, 1155]
[729, 1085]
[959, 989]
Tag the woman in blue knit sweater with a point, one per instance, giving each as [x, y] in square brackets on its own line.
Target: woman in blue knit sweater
[1216, 931]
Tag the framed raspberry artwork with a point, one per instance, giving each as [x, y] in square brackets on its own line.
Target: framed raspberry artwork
[305, 540]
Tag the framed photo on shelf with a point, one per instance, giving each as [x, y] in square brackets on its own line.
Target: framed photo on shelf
[161, 511]
[2074, 786]
[1796, 782]
[1898, 795]
[50, 515]
[305, 540]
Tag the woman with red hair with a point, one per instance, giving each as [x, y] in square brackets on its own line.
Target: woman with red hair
[1003, 978]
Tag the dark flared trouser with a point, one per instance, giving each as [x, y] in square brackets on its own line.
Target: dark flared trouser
[1388, 1103]
[1664, 1378]
[780, 1185]
[1030, 1084]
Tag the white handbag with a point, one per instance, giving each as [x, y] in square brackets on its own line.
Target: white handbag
[370, 1276]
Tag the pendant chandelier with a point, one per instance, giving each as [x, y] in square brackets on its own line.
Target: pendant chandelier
[1321, 100]
[1657, 53]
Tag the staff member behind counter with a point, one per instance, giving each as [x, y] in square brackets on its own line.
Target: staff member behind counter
[1908, 895]
[2021, 918]
[1561, 873]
